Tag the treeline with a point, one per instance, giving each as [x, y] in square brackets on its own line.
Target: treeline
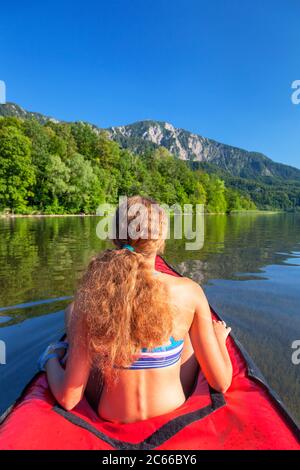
[62, 168]
[267, 192]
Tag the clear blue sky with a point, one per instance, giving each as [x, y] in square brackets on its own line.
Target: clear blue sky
[220, 68]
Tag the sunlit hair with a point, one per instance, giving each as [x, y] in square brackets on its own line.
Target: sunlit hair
[120, 306]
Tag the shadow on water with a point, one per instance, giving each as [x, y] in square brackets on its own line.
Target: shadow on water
[249, 268]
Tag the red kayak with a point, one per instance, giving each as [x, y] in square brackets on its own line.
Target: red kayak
[247, 416]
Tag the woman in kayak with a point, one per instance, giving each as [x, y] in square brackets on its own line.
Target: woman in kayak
[138, 329]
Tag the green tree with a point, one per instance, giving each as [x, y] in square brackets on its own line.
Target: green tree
[16, 171]
[107, 152]
[41, 155]
[84, 191]
[215, 191]
[86, 139]
[56, 185]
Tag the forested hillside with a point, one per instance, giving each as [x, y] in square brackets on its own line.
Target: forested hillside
[56, 168]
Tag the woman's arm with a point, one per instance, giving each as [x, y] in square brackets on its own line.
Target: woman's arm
[209, 343]
[68, 385]
[222, 331]
[68, 314]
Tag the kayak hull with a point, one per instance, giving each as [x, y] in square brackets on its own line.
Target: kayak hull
[248, 416]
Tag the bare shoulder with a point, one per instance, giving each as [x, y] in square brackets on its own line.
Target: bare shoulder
[190, 285]
[181, 281]
[186, 290]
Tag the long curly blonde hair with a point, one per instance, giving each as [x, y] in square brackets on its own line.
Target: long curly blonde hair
[120, 307]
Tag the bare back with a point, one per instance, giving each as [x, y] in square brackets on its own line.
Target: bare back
[141, 394]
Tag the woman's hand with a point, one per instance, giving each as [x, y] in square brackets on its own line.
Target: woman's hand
[68, 382]
[221, 330]
[61, 352]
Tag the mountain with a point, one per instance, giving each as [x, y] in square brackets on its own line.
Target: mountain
[201, 151]
[12, 109]
[213, 156]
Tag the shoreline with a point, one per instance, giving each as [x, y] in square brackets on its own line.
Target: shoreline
[24, 216]
[21, 216]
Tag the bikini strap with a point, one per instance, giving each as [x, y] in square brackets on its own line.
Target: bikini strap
[128, 247]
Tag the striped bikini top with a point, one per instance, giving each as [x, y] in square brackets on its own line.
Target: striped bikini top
[157, 358]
